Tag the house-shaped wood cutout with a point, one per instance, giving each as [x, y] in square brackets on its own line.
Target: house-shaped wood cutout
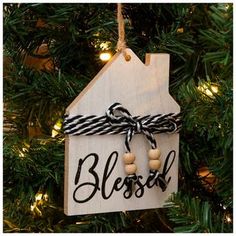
[143, 89]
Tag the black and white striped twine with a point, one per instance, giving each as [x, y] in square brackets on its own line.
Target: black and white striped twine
[118, 120]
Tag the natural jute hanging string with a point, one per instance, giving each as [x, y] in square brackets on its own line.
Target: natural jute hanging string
[121, 44]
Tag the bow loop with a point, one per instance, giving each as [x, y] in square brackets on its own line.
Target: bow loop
[116, 114]
[119, 116]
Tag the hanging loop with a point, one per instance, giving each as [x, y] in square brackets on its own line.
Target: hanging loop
[121, 44]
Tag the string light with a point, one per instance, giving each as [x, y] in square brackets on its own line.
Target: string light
[105, 56]
[40, 199]
[24, 150]
[32, 207]
[228, 219]
[105, 45]
[45, 197]
[208, 89]
[38, 196]
[21, 154]
[56, 128]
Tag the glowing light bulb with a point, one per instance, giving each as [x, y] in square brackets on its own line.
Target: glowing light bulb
[45, 197]
[38, 196]
[104, 45]
[56, 128]
[214, 88]
[105, 56]
[208, 89]
[21, 154]
[228, 219]
[32, 207]
[24, 150]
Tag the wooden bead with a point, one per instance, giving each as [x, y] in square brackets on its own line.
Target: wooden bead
[129, 158]
[154, 164]
[154, 154]
[130, 169]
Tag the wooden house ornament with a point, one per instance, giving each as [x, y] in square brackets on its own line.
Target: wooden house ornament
[94, 167]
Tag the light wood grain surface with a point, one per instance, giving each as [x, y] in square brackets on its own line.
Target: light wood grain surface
[143, 89]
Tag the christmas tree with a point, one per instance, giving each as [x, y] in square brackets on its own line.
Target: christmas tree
[51, 52]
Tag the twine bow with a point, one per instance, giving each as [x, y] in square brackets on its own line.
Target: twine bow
[118, 120]
[120, 117]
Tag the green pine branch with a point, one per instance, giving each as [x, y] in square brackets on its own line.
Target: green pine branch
[191, 215]
[199, 40]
